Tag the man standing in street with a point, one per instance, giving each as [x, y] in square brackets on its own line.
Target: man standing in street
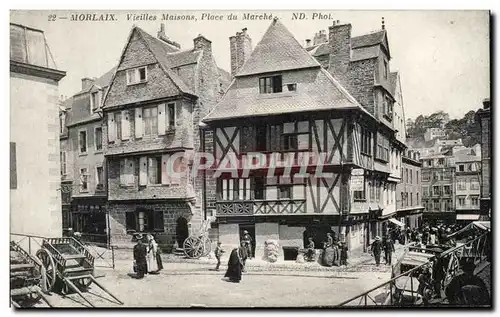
[388, 249]
[247, 239]
[218, 253]
[377, 249]
[140, 253]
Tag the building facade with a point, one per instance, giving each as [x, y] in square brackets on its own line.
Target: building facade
[486, 147]
[468, 180]
[438, 188]
[434, 133]
[409, 191]
[283, 106]
[35, 195]
[151, 113]
[85, 168]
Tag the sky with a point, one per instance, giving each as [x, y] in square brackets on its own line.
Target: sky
[443, 56]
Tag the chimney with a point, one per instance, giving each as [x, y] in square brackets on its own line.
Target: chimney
[340, 49]
[240, 47]
[320, 37]
[308, 42]
[486, 103]
[201, 43]
[383, 24]
[87, 83]
[163, 36]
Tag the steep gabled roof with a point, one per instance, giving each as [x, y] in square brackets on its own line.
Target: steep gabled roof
[370, 39]
[277, 51]
[182, 58]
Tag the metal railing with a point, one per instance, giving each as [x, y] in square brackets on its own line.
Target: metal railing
[404, 289]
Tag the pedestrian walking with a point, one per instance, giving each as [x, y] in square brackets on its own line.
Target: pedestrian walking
[236, 263]
[140, 252]
[388, 250]
[218, 254]
[343, 253]
[377, 249]
[154, 260]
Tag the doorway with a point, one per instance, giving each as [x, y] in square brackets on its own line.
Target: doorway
[251, 231]
[181, 231]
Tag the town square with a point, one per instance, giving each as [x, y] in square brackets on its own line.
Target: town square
[331, 159]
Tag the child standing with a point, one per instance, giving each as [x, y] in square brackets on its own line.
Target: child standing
[218, 253]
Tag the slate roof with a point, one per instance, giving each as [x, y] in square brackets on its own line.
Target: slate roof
[277, 51]
[370, 39]
[393, 82]
[160, 50]
[182, 58]
[101, 82]
[358, 54]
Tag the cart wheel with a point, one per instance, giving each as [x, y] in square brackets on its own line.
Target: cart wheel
[49, 278]
[207, 247]
[193, 248]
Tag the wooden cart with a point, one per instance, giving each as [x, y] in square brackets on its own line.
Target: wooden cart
[27, 278]
[199, 244]
[69, 267]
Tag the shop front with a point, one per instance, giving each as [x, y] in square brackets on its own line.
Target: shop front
[90, 218]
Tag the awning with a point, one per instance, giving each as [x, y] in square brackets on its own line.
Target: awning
[467, 217]
[397, 222]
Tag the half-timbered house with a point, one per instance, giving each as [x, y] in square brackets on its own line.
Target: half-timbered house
[151, 113]
[283, 104]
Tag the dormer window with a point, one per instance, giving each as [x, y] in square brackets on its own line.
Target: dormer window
[271, 85]
[94, 101]
[137, 75]
[291, 87]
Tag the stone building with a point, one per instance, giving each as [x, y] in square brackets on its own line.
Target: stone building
[83, 166]
[35, 196]
[409, 190]
[285, 102]
[486, 147]
[151, 113]
[438, 188]
[434, 133]
[467, 181]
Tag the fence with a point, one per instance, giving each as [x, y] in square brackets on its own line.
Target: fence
[403, 289]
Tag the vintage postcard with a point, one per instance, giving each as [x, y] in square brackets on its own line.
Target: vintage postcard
[190, 158]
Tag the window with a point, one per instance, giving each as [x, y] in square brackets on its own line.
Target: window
[61, 123]
[436, 190]
[366, 141]
[447, 175]
[359, 195]
[474, 201]
[237, 189]
[461, 184]
[150, 121]
[418, 180]
[63, 163]
[429, 163]
[94, 101]
[435, 175]
[378, 191]
[372, 191]
[461, 201]
[447, 189]
[99, 178]
[385, 69]
[127, 172]
[137, 75]
[441, 161]
[98, 138]
[84, 178]
[171, 116]
[469, 167]
[284, 192]
[382, 148]
[118, 124]
[388, 107]
[436, 205]
[270, 85]
[154, 170]
[143, 220]
[474, 184]
[406, 175]
[295, 135]
[426, 176]
[461, 168]
[291, 87]
[82, 139]
[411, 199]
[425, 190]
[411, 176]
[259, 188]
[418, 199]
[13, 166]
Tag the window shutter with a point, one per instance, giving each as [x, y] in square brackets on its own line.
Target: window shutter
[138, 123]
[125, 125]
[111, 127]
[143, 171]
[122, 171]
[161, 119]
[164, 175]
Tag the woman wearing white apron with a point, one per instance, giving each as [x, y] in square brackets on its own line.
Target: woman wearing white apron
[151, 257]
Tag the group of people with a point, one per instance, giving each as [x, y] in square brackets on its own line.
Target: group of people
[334, 251]
[427, 235]
[386, 245]
[147, 259]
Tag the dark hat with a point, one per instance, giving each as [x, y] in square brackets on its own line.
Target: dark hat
[139, 236]
[219, 242]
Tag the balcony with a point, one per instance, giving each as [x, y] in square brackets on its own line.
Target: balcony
[261, 207]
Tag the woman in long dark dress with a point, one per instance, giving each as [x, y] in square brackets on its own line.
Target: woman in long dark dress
[235, 264]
